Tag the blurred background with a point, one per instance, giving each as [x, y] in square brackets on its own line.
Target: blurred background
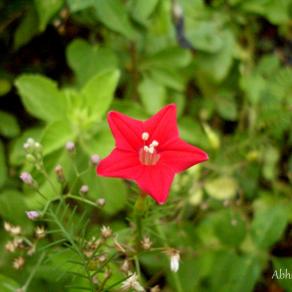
[226, 64]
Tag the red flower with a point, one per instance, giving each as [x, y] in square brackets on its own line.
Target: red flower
[149, 152]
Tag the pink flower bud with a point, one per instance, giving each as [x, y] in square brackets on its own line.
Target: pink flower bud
[32, 215]
[95, 159]
[26, 178]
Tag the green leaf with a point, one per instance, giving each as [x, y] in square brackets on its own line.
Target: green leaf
[204, 35]
[46, 9]
[5, 86]
[281, 265]
[113, 14]
[101, 142]
[168, 77]
[153, 95]
[3, 167]
[230, 228]
[12, 206]
[86, 60]
[7, 284]
[175, 56]
[41, 97]
[8, 125]
[26, 30]
[56, 135]
[222, 188]
[112, 190]
[217, 65]
[77, 5]
[269, 225]
[99, 90]
[226, 106]
[142, 10]
[242, 275]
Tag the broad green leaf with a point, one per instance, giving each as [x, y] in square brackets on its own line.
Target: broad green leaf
[217, 65]
[175, 56]
[8, 284]
[204, 35]
[153, 95]
[283, 266]
[141, 10]
[46, 9]
[114, 15]
[112, 190]
[99, 90]
[230, 228]
[101, 142]
[254, 86]
[41, 97]
[269, 225]
[226, 105]
[5, 86]
[12, 206]
[8, 125]
[169, 77]
[56, 135]
[241, 276]
[3, 167]
[26, 30]
[271, 158]
[222, 188]
[77, 5]
[192, 132]
[86, 60]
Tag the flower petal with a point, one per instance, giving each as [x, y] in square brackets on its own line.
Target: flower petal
[127, 131]
[156, 181]
[119, 163]
[180, 155]
[162, 126]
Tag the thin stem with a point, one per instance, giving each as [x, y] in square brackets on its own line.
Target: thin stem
[164, 240]
[46, 175]
[137, 265]
[88, 202]
[32, 274]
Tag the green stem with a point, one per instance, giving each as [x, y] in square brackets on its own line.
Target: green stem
[88, 202]
[164, 240]
[32, 274]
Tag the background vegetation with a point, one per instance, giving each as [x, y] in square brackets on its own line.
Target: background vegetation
[227, 66]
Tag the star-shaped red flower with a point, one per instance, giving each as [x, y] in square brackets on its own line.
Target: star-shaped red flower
[149, 152]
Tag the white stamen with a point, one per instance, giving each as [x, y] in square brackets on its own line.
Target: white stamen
[146, 148]
[154, 143]
[151, 149]
[145, 136]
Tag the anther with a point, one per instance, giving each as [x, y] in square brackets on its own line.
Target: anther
[151, 149]
[146, 148]
[145, 136]
[154, 143]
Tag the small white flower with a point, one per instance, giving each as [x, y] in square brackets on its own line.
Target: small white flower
[132, 283]
[106, 231]
[174, 261]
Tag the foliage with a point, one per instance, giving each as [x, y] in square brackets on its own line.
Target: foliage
[226, 65]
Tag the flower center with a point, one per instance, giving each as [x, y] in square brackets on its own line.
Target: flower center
[148, 155]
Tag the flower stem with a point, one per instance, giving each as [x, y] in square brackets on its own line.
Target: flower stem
[164, 239]
[32, 274]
